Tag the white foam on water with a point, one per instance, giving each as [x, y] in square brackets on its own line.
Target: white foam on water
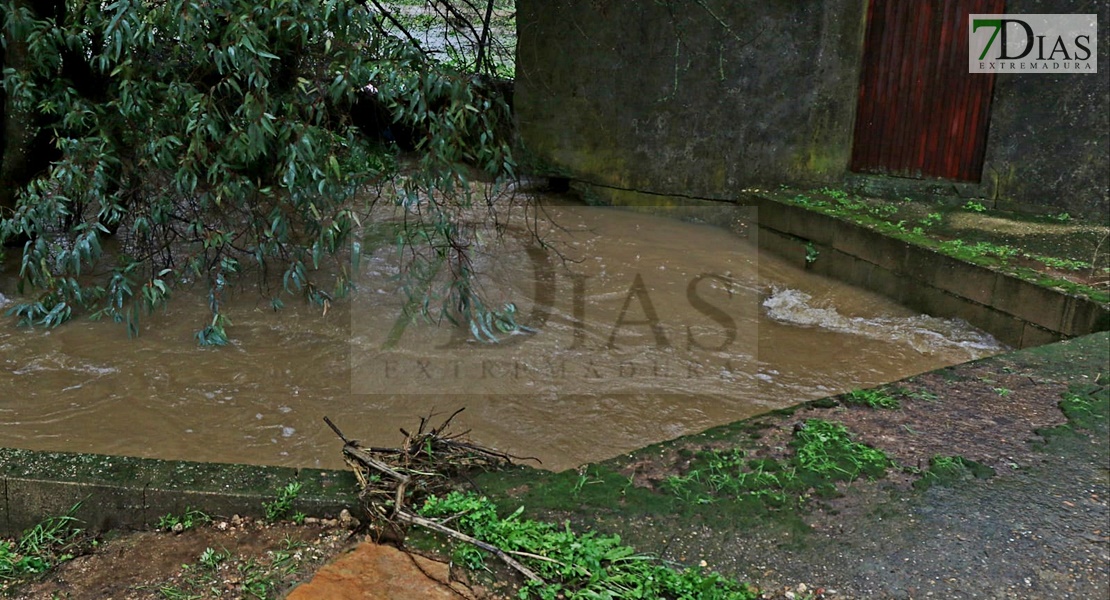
[924, 333]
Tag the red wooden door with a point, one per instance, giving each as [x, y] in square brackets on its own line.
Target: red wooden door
[920, 113]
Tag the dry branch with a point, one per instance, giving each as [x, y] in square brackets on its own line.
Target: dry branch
[392, 479]
[410, 518]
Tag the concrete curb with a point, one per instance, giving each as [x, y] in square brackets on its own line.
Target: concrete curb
[114, 492]
[1017, 312]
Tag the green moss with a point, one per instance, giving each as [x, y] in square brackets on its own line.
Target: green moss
[947, 470]
[1086, 407]
[873, 398]
[824, 454]
[926, 225]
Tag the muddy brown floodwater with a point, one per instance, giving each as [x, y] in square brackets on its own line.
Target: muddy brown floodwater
[647, 328]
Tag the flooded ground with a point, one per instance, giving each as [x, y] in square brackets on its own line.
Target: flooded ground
[647, 328]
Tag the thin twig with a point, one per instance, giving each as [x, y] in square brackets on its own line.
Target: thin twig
[407, 517]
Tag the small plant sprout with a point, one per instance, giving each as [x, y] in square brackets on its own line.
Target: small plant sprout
[974, 206]
[932, 219]
[211, 559]
[811, 253]
[279, 508]
[183, 522]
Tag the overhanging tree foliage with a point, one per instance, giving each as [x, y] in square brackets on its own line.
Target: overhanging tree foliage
[215, 137]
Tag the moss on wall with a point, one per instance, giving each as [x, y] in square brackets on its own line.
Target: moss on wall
[702, 98]
[1048, 150]
[689, 97]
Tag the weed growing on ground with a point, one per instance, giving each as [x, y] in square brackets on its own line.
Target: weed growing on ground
[279, 508]
[187, 520]
[932, 219]
[261, 579]
[39, 549]
[582, 481]
[944, 470]
[826, 450]
[574, 565]
[210, 558]
[824, 454]
[873, 398]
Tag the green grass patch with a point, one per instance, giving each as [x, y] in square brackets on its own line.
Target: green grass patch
[925, 225]
[872, 398]
[1086, 406]
[824, 454]
[573, 565]
[946, 470]
[39, 549]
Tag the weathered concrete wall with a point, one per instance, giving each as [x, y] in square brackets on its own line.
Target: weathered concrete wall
[1017, 312]
[1048, 149]
[123, 492]
[701, 98]
[689, 97]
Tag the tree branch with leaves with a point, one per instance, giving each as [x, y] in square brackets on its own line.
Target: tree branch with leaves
[216, 139]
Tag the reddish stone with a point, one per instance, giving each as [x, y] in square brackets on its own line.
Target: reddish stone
[373, 572]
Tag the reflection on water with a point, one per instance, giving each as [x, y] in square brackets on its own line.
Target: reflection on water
[647, 329]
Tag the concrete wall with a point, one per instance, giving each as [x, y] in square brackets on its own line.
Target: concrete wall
[112, 492]
[689, 97]
[1049, 143]
[1017, 312]
[701, 98]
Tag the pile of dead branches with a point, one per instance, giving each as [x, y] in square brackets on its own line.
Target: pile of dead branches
[429, 462]
[393, 480]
